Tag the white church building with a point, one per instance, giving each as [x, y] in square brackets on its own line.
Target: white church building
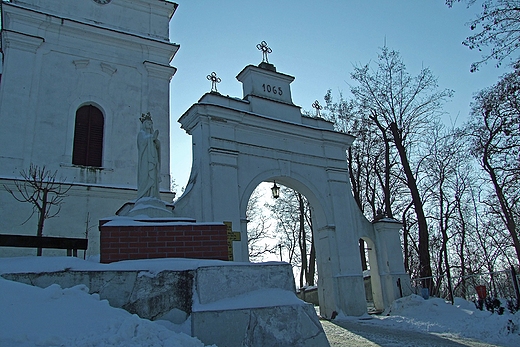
[75, 78]
[77, 75]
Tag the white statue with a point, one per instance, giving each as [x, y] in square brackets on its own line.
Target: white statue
[149, 161]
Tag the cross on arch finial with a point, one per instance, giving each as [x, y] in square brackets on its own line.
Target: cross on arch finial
[214, 80]
[262, 46]
[318, 107]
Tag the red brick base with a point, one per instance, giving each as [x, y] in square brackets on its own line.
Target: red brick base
[191, 240]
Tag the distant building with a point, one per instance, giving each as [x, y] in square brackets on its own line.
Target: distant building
[75, 76]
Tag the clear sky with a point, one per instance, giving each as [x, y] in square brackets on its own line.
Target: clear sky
[317, 42]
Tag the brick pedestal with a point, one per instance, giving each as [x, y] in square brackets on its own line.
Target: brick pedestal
[147, 240]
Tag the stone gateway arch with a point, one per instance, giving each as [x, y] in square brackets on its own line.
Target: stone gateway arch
[239, 143]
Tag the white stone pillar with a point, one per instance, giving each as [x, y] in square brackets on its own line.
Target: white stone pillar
[390, 260]
[340, 280]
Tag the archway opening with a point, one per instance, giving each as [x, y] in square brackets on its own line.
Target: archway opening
[281, 229]
[371, 277]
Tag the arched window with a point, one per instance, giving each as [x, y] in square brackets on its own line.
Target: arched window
[88, 137]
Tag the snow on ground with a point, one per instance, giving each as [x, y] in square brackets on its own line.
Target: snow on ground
[462, 319]
[31, 316]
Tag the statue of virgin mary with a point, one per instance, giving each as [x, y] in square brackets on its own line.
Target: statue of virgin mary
[149, 161]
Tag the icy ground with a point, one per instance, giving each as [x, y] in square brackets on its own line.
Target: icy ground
[446, 325]
[31, 316]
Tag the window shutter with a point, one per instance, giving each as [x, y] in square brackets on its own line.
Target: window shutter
[88, 137]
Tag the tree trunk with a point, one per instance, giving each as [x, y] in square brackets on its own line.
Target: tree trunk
[362, 255]
[312, 255]
[354, 182]
[443, 226]
[425, 270]
[388, 205]
[386, 185]
[504, 206]
[462, 249]
[41, 220]
[302, 241]
[405, 245]
[312, 264]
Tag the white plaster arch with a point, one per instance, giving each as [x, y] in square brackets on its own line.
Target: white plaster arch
[239, 143]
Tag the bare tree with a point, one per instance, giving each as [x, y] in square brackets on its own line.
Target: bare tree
[285, 212]
[44, 191]
[401, 106]
[498, 27]
[295, 232]
[306, 236]
[463, 184]
[371, 159]
[494, 136]
[446, 166]
[259, 232]
[310, 272]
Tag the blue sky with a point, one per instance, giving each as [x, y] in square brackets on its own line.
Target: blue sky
[317, 42]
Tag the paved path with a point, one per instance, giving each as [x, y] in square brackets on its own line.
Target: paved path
[356, 334]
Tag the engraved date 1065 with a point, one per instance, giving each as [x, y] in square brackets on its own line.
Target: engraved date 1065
[272, 89]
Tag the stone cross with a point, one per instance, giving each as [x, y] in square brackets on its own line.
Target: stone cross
[214, 80]
[318, 107]
[262, 46]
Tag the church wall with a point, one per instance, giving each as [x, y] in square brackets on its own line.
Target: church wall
[124, 15]
[66, 75]
[59, 56]
[15, 97]
[72, 65]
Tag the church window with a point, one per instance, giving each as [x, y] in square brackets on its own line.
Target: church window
[88, 137]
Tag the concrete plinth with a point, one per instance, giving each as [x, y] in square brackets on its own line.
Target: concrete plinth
[146, 208]
[258, 308]
[287, 326]
[232, 304]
